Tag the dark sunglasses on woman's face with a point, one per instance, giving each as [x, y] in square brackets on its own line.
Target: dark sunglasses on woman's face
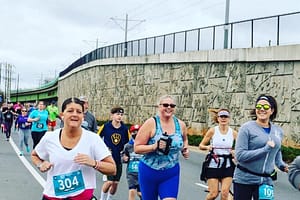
[166, 105]
[224, 116]
[264, 106]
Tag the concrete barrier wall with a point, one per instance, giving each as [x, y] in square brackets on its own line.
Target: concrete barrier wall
[199, 80]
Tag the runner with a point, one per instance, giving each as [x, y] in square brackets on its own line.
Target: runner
[219, 141]
[115, 135]
[53, 115]
[24, 130]
[132, 159]
[71, 156]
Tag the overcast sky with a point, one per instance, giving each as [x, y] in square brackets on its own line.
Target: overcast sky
[40, 38]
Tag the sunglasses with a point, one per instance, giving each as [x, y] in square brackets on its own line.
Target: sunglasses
[166, 105]
[24, 111]
[224, 116]
[264, 106]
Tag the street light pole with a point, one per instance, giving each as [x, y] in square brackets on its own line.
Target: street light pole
[126, 30]
[226, 24]
[17, 89]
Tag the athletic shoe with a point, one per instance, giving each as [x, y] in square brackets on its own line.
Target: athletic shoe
[27, 149]
[21, 153]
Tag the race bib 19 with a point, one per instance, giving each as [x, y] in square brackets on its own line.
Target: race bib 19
[266, 192]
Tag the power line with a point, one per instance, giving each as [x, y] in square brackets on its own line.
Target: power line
[145, 7]
[126, 29]
[185, 9]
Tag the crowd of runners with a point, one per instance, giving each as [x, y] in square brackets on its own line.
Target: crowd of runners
[72, 154]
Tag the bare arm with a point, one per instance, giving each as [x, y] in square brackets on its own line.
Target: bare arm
[203, 144]
[107, 166]
[185, 150]
[41, 164]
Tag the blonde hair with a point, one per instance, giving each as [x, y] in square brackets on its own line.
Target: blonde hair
[167, 96]
[214, 113]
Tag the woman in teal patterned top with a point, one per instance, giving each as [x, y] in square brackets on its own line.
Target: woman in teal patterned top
[161, 139]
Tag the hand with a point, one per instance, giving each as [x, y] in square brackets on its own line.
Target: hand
[185, 152]
[271, 143]
[232, 151]
[209, 148]
[84, 159]
[154, 146]
[44, 166]
[125, 158]
[286, 169]
[37, 118]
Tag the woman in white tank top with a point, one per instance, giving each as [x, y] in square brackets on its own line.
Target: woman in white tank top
[219, 140]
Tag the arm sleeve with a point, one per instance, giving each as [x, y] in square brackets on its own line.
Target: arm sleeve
[242, 151]
[279, 161]
[278, 158]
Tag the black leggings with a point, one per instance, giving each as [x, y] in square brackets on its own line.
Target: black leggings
[36, 137]
[8, 126]
[245, 192]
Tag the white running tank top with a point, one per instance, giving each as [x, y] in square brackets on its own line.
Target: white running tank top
[223, 144]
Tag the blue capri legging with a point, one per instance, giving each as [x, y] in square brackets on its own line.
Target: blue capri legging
[162, 183]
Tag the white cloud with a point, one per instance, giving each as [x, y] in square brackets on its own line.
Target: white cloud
[41, 38]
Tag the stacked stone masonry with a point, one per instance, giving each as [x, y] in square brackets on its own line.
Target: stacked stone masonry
[137, 83]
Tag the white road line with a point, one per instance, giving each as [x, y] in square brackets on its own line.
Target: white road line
[34, 173]
[201, 185]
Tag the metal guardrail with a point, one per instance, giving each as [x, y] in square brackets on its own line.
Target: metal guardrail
[259, 32]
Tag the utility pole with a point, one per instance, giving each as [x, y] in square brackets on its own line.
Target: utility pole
[7, 79]
[226, 24]
[0, 76]
[88, 42]
[17, 88]
[126, 28]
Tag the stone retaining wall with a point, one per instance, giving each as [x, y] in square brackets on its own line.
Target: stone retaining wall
[199, 80]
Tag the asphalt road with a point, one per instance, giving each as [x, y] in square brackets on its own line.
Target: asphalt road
[20, 180]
